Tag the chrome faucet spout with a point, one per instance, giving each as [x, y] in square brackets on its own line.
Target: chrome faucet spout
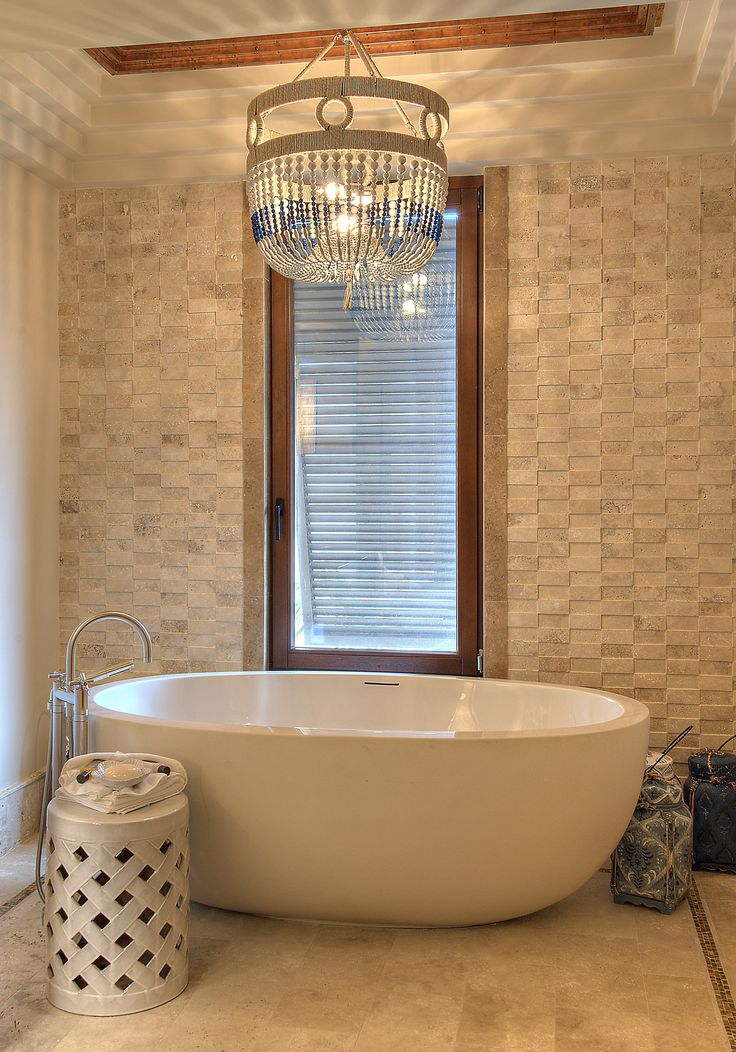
[108, 615]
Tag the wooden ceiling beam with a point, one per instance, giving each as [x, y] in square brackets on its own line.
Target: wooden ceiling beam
[419, 38]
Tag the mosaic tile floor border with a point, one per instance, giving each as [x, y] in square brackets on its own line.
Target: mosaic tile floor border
[716, 974]
[16, 899]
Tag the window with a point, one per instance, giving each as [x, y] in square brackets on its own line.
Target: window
[374, 466]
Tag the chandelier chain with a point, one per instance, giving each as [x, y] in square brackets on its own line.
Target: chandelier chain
[318, 58]
[348, 39]
[375, 72]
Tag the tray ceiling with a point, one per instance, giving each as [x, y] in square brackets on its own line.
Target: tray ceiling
[419, 38]
[71, 121]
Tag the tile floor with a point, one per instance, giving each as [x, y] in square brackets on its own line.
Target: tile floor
[582, 976]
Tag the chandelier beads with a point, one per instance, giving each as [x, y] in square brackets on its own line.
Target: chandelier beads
[342, 204]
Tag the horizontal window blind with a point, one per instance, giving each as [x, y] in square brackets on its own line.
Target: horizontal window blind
[375, 472]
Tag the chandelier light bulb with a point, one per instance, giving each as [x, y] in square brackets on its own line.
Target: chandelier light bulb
[345, 223]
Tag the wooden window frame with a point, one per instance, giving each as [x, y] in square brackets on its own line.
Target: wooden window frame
[465, 194]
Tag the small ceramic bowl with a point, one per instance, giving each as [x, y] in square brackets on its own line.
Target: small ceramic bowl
[119, 774]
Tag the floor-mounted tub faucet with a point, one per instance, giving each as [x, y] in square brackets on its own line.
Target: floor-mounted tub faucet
[71, 691]
[69, 704]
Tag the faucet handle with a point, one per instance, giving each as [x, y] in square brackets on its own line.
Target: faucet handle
[105, 673]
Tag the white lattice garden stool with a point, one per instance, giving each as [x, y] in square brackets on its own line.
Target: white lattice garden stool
[117, 907]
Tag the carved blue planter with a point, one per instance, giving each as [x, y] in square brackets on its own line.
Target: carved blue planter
[652, 864]
[710, 793]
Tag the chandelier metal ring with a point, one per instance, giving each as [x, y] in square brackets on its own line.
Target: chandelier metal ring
[347, 118]
[255, 130]
[352, 139]
[379, 88]
[431, 118]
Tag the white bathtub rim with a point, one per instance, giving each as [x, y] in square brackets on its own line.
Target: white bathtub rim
[633, 712]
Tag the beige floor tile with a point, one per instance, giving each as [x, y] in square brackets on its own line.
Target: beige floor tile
[430, 1038]
[30, 1024]
[348, 954]
[511, 1012]
[311, 1004]
[258, 965]
[208, 959]
[284, 1039]
[589, 908]
[718, 892]
[285, 936]
[516, 942]
[655, 926]
[23, 949]
[583, 976]
[214, 1028]
[248, 1001]
[463, 1046]
[597, 962]
[270, 950]
[411, 1004]
[143, 1032]
[684, 1015]
[669, 945]
[429, 967]
[591, 1020]
[17, 868]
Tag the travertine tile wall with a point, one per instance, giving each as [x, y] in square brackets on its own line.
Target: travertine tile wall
[609, 431]
[621, 433]
[162, 454]
[495, 415]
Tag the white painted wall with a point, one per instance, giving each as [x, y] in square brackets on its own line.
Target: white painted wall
[29, 458]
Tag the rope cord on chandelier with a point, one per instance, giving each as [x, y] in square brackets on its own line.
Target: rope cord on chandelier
[342, 204]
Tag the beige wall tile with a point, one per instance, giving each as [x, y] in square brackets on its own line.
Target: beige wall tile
[157, 428]
[620, 431]
[608, 427]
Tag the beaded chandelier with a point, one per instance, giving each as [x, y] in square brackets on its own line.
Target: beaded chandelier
[343, 204]
[416, 308]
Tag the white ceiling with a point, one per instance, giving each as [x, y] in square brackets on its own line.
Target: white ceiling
[35, 24]
[64, 117]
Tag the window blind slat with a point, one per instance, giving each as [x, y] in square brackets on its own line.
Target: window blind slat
[376, 479]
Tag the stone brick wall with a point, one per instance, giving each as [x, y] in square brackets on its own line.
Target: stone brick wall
[609, 429]
[621, 433]
[162, 423]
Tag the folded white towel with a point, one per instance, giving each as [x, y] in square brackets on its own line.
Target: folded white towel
[92, 793]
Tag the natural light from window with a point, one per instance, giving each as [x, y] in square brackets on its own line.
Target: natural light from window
[375, 463]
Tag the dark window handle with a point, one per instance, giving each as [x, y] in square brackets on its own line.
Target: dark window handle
[279, 511]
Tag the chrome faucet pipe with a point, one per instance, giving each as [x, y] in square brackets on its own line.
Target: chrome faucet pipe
[68, 708]
[80, 684]
[58, 737]
[108, 615]
[80, 723]
[105, 673]
[80, 688]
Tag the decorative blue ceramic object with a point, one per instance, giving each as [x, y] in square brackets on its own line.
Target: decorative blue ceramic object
[652, 864]
[710, 793]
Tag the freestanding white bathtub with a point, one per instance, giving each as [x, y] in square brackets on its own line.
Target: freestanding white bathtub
[381, 799]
